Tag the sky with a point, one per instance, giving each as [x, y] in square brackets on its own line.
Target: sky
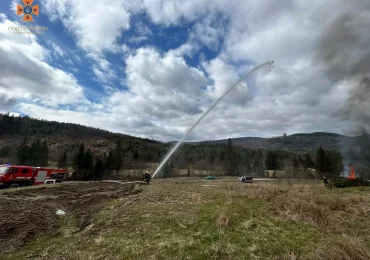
[151, 68]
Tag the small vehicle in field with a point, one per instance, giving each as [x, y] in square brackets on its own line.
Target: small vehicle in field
[246, 179]
[14, 176]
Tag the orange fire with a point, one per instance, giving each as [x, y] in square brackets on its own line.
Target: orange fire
[352, 174]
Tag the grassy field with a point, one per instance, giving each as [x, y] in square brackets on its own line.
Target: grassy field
[218, 220]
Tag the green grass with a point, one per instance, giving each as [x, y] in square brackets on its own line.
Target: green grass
[227, 221]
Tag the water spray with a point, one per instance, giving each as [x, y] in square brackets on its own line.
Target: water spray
[267, 64]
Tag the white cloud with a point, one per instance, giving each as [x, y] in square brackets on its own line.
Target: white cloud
[25, 74]
[172, 12]
[186, 49]
[57, 50]
[167, 73]
[102, 68]
[96, 25]
[2, 17]
[287, 32]
[125, 48]
[224, 76]
[138, 39]
[142, 29]
[161, 84]
[209, 31]
[160, 103]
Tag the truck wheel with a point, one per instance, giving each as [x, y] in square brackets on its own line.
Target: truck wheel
[14, 185]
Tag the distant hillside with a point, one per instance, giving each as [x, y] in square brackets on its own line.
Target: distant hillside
[237, 141]
[66, 136]
[299, 143]
[134, 152]
[10, 125]
[14, 127]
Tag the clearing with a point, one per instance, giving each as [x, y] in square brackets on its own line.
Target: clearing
[186, 219]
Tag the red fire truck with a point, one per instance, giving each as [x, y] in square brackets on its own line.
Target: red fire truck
[14, 176]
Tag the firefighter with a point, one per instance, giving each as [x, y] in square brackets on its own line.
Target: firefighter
[325, 180]
[147, 177]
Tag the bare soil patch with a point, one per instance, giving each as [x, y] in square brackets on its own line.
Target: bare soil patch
[28, 213]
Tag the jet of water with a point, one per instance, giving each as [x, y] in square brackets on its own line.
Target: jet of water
[267, 64]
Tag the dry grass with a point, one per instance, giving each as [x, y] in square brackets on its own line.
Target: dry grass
[344, 248]
[229, 220]
[288, 256]
[223, 220]
[312, 203]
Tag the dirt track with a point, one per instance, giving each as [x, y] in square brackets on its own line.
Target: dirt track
[28, 213]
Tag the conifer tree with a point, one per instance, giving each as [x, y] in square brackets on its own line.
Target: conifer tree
[308, 162]
[320, 160]
[295, 163]
[44, 154]
[88, 165]
[98, 169]
[231, 160]
[271, 160]
[62, 163]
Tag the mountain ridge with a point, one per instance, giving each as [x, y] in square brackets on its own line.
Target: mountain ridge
[298, 142]
[61, 136]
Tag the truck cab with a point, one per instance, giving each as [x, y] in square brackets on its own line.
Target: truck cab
[13, 176]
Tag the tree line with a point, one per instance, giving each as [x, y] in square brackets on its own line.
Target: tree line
[234, 160]
[329, 163]
[237, 161]
[131, 151]
[326, 162]
[26, 126]
[89, 166]
[36, 154]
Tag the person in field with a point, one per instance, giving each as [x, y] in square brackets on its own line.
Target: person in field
[146, 177]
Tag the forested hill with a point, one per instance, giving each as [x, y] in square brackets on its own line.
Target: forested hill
[10, 125]
[303, 142]
[299, 143]
[27, 140]
[13, 129]
[89, 150]
[62, 137]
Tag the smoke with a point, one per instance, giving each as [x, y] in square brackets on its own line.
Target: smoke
[357, 107]
[344, 50]
[356, 152]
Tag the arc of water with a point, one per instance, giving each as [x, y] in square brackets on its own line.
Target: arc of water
[266, 64]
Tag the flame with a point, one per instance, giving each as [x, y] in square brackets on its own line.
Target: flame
[352, 174]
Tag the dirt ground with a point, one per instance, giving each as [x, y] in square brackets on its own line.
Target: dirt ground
[28, 213]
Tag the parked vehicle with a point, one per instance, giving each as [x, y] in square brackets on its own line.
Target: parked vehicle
[14, 176]
[246, 179]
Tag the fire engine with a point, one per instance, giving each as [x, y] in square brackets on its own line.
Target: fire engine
[14, 176]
